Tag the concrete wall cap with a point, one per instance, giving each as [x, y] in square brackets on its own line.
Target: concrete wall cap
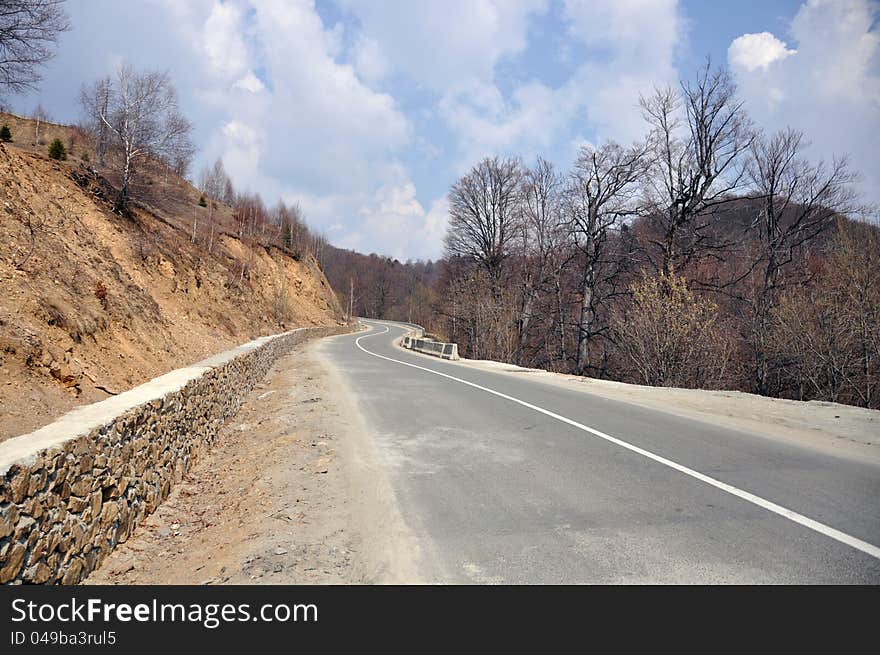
[80, 421]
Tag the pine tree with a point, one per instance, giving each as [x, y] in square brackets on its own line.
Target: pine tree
[57, 150]
[5, 134]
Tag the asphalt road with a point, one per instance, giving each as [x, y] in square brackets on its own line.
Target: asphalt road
[510, 480]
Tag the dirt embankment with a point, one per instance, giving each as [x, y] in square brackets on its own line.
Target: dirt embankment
[92, 303]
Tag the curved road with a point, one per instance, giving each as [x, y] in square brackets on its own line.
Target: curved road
[511, 480]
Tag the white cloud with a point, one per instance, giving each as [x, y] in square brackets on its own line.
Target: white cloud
[222, 40]
[390, 220]
[751, 52]
[458, 63]
[310, 128]
[641, 31]
[369, 62]
[401, 224]
[459, 66]
[243, 146]
[828, 87]
[636, 41]
[249, 82]
[321, 111]
[487, 124]
[444, 44]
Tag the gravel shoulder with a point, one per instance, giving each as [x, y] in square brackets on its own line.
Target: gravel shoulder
[291, 493]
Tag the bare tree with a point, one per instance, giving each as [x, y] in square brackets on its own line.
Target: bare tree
[542, 240]
[29, 30]
[600, 193]
[854, 268]
[143, 121]
[181, 159]
[484, 214]
[825, 333]
[99, 93]
[695, 159]
[798, 201]
[213, 181]
[228, 192]
[39, 116]
[485, 229]
[818, 348]
[293, 229]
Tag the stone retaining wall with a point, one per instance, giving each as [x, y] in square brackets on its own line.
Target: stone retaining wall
[74, 489]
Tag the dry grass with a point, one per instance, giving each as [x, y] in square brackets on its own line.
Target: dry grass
[83, 321]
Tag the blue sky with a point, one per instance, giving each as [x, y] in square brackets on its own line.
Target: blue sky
[366, 111]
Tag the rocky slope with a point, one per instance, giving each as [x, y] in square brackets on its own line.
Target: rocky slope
[92, 303]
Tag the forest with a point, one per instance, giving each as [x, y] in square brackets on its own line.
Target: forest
[708, 255]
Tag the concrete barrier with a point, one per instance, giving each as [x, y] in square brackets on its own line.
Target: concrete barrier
[415, 330]
[431, 347]
[72, 490]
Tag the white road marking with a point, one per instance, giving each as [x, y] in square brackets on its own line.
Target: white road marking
[770, 506]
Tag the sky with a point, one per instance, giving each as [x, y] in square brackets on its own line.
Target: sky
[365, 112]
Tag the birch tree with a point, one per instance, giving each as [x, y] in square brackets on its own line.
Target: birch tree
[39, 116]
[143, 122]
[213, 181]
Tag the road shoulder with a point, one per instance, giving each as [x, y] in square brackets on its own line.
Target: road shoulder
[831, 428]
[287, 495]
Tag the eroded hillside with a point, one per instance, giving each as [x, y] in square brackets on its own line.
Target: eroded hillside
[92, 303]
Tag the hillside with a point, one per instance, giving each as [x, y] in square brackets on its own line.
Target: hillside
[93, 303]
[381, 287]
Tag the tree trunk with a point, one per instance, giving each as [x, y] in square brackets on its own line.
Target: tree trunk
[560, 309]
[763, 310]
[587, 315]
[122, 196]
[669, 249]
[524, 326]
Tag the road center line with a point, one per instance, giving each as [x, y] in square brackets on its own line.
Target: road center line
[770, 506]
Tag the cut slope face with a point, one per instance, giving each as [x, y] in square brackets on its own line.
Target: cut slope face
[92, 303]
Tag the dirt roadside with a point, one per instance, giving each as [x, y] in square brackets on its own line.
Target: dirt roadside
[291, 493]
